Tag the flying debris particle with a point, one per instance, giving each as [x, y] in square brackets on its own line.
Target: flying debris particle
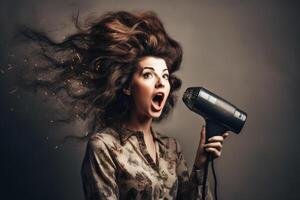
[35, 65]
[2, 71]
[13, 91]
[52, 121]
[98, 67]
[56, 147]
[59, 101]
[86, 133]
[78, 57]
[25, 60]
[10, 66]
[47, 138]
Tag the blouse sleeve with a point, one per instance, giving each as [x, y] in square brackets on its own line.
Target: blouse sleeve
[98, 172]
[190, 186]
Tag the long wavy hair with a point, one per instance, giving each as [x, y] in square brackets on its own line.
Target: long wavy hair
[93, 65]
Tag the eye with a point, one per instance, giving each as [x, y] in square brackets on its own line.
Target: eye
[147, 75]
[166, 76]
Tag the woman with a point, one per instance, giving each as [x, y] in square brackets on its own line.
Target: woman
[120, 71]
[128, 159]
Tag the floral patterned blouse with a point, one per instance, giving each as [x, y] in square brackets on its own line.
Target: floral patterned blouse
[117, 165]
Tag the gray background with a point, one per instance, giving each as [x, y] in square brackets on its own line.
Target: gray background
[244, 51]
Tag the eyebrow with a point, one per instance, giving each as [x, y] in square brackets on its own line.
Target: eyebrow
[153, 68]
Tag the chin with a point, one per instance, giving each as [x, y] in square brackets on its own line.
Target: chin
[155, 114]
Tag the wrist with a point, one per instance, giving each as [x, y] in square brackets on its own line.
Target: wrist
[200, 162]
[198, 166]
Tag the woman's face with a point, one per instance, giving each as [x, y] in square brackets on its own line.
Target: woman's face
[150, 87]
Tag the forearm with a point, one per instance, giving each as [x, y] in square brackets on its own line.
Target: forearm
[196, 182]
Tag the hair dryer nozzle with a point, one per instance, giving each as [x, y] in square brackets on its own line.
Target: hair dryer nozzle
[190, 97]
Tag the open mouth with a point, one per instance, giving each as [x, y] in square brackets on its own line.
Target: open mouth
[157, 101]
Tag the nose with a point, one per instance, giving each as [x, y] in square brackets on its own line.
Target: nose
[159, 83]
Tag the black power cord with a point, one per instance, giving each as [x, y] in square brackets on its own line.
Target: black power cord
[205, 177]
[215, 179]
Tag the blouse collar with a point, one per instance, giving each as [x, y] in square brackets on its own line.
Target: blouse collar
[125, 133]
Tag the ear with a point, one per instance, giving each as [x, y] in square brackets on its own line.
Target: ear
[127, 91]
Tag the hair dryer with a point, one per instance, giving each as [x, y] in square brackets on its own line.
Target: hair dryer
[220, 115]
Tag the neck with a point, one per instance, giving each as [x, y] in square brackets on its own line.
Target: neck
[138, 123]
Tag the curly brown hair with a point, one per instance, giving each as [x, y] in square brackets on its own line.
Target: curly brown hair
[94, 65]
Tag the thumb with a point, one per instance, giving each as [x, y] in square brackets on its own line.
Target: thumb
[203, 135]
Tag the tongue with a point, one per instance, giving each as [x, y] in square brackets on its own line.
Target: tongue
[155, 105]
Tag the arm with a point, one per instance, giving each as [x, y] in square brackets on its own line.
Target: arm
[98, 172]
[189, 186]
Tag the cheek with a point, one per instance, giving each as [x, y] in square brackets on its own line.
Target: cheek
[142, 85]
[143, 90]
[168, 88]
[142, 93]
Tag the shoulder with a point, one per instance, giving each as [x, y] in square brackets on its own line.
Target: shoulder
[100, 149]
[107, 137]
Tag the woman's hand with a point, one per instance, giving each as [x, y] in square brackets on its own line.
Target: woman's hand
[214, 146]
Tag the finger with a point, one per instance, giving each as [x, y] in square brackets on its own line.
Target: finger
[225, 135]
[217, 138]
[203, 135]
[217, 145]
[214, 151]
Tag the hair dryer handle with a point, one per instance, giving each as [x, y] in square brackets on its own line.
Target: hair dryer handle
[213, 128]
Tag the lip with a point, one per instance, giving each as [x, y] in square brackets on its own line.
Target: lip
[159, 107]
